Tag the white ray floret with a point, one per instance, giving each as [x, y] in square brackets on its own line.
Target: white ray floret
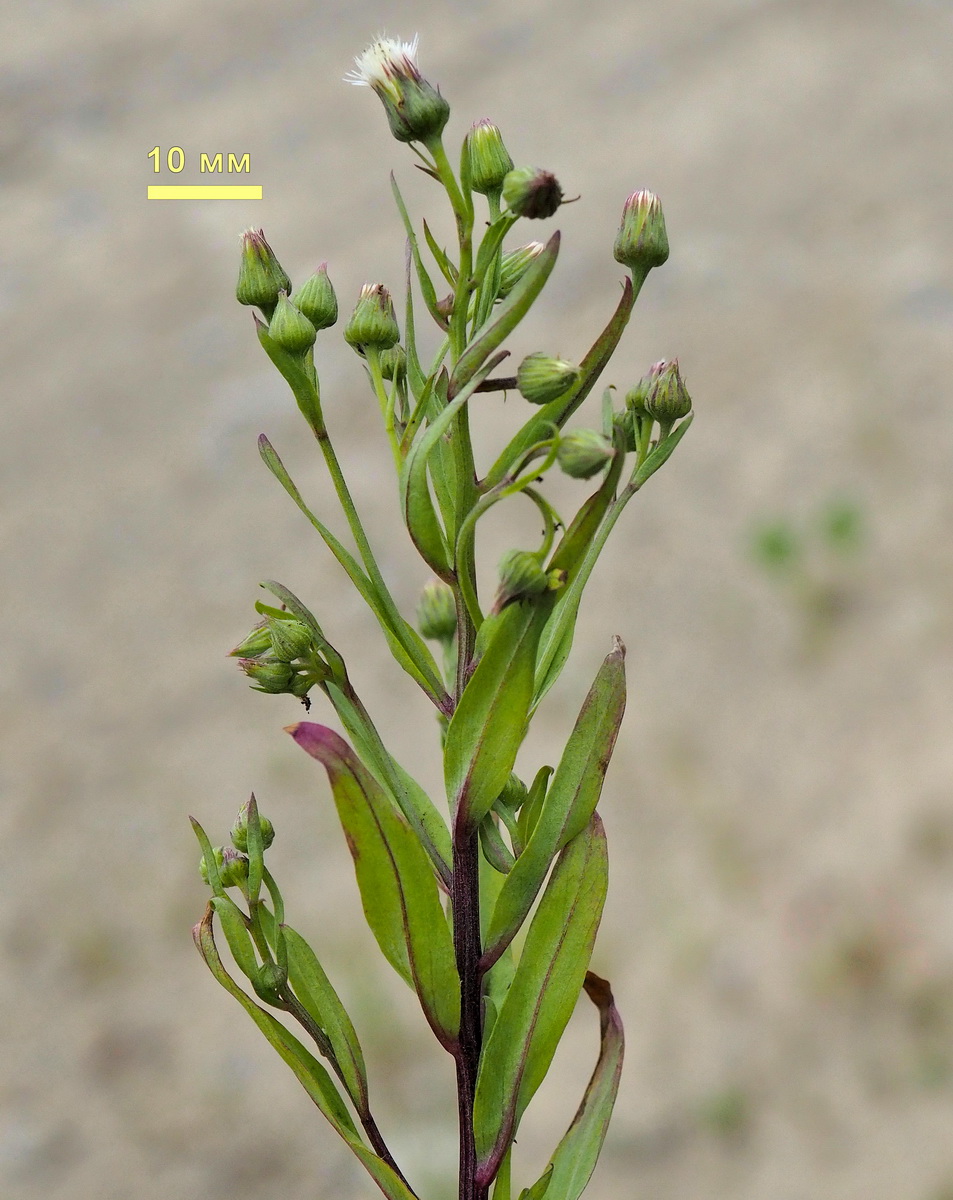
[384, 61]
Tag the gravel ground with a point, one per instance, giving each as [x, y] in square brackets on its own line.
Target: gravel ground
[780, 812]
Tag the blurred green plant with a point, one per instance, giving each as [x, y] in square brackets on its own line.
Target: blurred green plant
[811, 562]
[519, 863]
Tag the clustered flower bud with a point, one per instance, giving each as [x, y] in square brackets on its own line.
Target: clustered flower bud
[515, 263]
[584, 452]
[232, 867]
[489, 159]
[541, 378]
[239, 831]
[416, 112]
[532, 192]
[290, 328]
[373, 322]
[666, 396]
[437, 612]
[316, 299]
[394, 363]
[521, 575]
[642, 242]
[261, 277]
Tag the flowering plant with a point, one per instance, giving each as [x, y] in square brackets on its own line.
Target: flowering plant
[446, 899]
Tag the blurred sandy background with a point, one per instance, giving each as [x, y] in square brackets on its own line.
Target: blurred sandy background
[780, 811]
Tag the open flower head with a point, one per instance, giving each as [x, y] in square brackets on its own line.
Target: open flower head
[415, 109]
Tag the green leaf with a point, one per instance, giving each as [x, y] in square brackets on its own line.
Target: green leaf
[310, 1074]
[541, 998]
[489, 723]
[509, 314]
[426, 284]
[574, 1160]
[397, 884]
[570, 801]
[447, 269]
[538, 1190]
[662, 452]
[557, 412]
[298, 374]
[406, 792]
[314, 991]
[235, 928]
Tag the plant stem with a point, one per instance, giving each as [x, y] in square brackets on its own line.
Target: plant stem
[466, 941]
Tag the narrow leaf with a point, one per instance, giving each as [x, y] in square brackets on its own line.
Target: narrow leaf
[661, 454]
[398, 889]
[570, 801]
[509, 314]
[314, 991]
[235, 928]
[310, 1074]
[541, 998]
[489, 723]
[538, 1190]
[447, 269]
[426, 284]
[557, 412]
[575, 1157]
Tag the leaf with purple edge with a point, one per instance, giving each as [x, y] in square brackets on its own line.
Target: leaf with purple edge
[394, 874]
[540, 1000]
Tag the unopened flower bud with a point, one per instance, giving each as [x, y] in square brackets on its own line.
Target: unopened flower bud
[260, 276]
[256, 641]
[635, 397]
[624, 423]
[515, 263]
[541, 378]
[232, 867]
[584, 452]
[394, 363]
[268, 675]
[416, 112]
[642, 242]
[239, 831]
[289, 639]
[437, 611]
[667, 397]
[268, 981]
[521, 575]
[316, 299]
[490, 162]
[532, 192]
[290, 328]
[373, 322]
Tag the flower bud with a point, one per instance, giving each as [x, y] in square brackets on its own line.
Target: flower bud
[316, 299]
[290, 328]
[268, 981]
[532, 192]
[268, 675]
[541, 378]
[232, 867]
[373, 322]
[584, 452]
[394, 363]
[635, 397]
[260, 275]
[642, 242]
[416, 112]
[257, 641]
[490, 161]
[667, 398]
[289, 639]
[521, 575]
[239, 831]
[437, 612]
[624, 424]
[515, 263]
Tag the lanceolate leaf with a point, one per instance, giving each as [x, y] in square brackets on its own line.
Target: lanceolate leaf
[310, 1074]
[540, 1000]
[314, 991]
[397, 885]
[488, 725]
[570, 801]
[557, 412]
[509, 314]
[575, 1158]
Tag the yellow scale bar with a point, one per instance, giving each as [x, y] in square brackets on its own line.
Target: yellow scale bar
[222, 191]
